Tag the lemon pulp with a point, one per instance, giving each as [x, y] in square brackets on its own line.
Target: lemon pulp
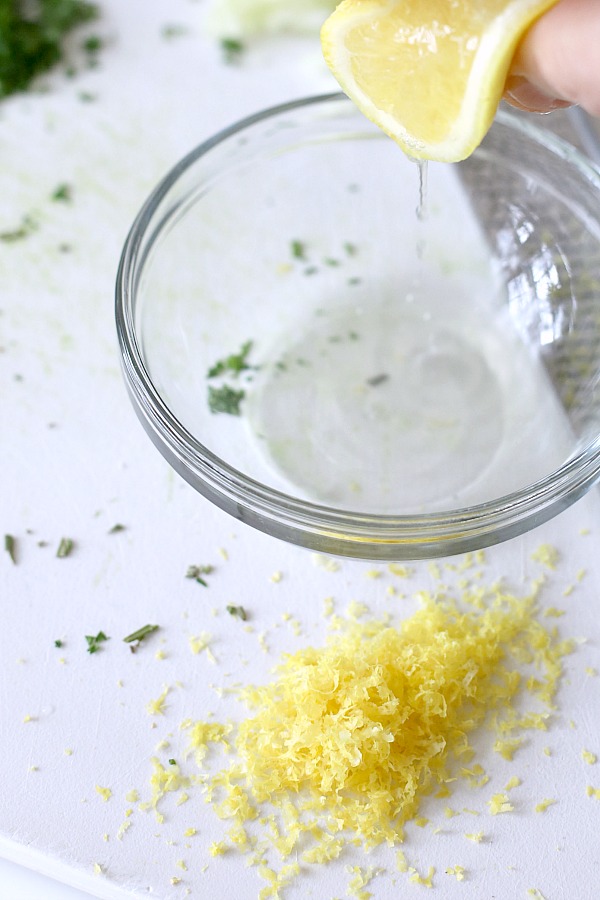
[430, 73]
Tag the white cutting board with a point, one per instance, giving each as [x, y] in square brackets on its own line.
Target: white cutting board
[75, 462]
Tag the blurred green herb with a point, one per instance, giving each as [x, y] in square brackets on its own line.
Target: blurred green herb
[232, 49]
[58, 643]
[173, 31]
[63, 193]
[196, 572]
[10, 547]
[28, 226]
[94, 641]
[234, 364]
[225, 400]
[31, 36]
[237, 611]
[298, 249]
[140, 634]
[116, 528]
[65, 547]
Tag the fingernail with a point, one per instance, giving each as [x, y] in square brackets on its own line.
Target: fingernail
[523, 95]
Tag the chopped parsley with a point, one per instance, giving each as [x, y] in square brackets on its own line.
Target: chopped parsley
[197, 573]
[298, 249]
[28, 226]
[64, 548]
[140, 634]
[10, 547]
[225, 400]
[232, 49]
[173, 31]
[232, 364]
[116, 528]
[32, 35]
[58, 643]
[172, 762]
[63, 193]
[94, 641]
[238, 612]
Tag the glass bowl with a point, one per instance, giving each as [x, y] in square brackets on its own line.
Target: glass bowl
[363, 355]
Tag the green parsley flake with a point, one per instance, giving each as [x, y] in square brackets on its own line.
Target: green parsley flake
[63, 193]
[225, 400]
[65, 548]
[32, 35]
[238, 612]
[10, 547]
[28, 226]
[232, 49]
[298, 249]
[94, 641]
[140, 634]
[233, 364]
[196, 572]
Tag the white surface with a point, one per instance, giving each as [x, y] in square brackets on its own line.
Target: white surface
[75, 462]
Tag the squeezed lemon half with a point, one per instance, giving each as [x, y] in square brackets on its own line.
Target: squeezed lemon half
[430, 73]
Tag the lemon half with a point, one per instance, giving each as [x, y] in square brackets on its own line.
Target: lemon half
[430, 73]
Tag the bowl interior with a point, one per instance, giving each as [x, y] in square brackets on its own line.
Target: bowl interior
[337, 323]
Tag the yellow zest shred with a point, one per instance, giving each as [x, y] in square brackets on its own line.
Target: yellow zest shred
[457, 871]
[499, 803]
[543, 805]
[588, 757]
[157, 707]
[592, 792]
[104, 792]
[547, 555]
[477, 837]
[425, 880]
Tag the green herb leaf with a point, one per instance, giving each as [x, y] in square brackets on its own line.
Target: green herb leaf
[10, 547]
[234, 364]
[28, 226]
[172, 762]
[32, 35]
[94, 641]
[196, 572]
[58, 643]
[225, 400]
[116, 528]
[298, 249]
[232, 49]
[237, 611]
[64, 548]
[140, 634]
[63, 193]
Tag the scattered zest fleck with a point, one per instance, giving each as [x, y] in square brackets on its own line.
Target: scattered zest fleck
[238, 612]
[64, 548]
[94, 641]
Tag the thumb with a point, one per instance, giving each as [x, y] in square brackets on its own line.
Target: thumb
[557, 63]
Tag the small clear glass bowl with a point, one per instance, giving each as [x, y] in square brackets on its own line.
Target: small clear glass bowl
[361, 355]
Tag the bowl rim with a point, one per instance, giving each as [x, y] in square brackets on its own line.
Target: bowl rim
[314, 525]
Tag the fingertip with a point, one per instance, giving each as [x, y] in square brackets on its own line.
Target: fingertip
[523, 95]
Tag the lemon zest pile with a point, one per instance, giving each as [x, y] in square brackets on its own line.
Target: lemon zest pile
[348, 738]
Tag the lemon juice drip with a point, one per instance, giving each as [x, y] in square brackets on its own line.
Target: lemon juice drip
[422, 205]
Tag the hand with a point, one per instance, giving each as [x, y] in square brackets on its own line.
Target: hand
[557, 63]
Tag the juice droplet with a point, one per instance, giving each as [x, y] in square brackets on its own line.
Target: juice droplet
[422, 207]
